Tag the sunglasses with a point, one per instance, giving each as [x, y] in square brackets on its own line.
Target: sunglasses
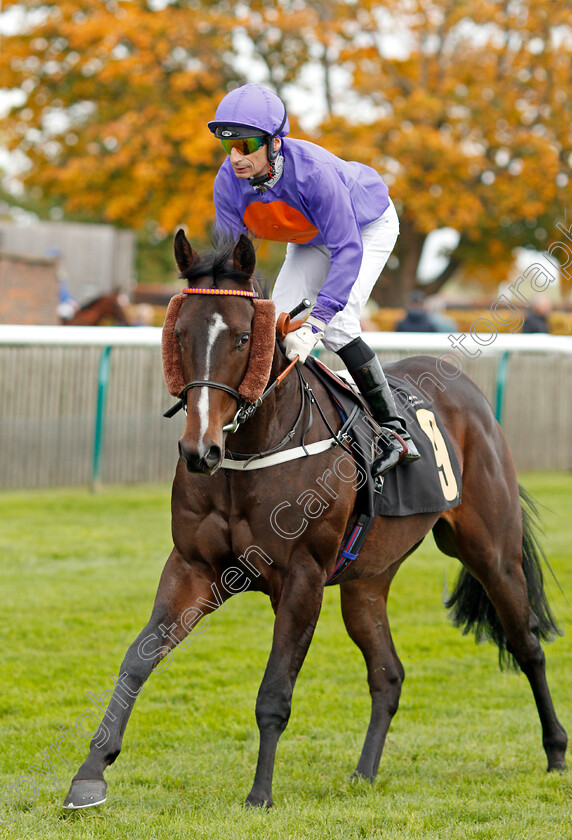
[245, 145]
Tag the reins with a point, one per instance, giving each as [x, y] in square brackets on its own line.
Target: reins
[259, 460]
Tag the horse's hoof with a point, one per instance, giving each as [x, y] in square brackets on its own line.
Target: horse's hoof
[85, 793]
[255, 802]
[557, 767]
[357, 776]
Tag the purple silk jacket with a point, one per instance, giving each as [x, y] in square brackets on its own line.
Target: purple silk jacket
[318, 200]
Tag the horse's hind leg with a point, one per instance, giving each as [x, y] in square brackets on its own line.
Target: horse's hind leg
[365, 615]
[182, 599]
[486, 534]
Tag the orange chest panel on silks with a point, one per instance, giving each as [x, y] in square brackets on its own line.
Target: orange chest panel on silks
[279, 222]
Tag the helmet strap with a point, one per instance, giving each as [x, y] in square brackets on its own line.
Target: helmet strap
[268, 176]
[263, 179]
[272, 155]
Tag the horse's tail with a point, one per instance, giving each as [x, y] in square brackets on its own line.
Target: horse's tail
[469, 605]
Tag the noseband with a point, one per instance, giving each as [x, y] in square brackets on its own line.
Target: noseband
[201, 383]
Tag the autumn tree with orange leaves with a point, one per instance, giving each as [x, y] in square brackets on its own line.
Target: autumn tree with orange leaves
[467, 115]
[474, 124]
[462, 106]
[117, 97]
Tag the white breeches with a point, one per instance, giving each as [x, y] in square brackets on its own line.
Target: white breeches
[306, 268]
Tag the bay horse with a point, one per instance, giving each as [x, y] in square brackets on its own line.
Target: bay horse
[228, 537]
[104, 309]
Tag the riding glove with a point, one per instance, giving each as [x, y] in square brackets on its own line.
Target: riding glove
[302, 341]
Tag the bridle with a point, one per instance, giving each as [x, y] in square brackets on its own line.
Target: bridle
[245, 409]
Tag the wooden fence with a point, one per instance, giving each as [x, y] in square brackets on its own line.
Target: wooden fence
[67, 420]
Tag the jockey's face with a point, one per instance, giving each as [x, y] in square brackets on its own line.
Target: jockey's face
[254, 165]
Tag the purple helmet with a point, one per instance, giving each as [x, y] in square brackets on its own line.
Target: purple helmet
[252, 109]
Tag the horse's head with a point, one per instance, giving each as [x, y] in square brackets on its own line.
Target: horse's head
[218, 343]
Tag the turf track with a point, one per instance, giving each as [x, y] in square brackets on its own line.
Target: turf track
[463, 758]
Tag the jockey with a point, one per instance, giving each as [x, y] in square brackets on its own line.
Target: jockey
[67, 304]
[340, 226]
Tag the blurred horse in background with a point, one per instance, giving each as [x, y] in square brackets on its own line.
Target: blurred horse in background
[106, 309]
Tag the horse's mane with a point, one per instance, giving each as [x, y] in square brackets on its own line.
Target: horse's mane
[217, 264]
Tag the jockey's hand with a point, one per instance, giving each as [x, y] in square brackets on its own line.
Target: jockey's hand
[302, 341]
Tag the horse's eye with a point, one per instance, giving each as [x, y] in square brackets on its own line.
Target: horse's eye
[242, 340]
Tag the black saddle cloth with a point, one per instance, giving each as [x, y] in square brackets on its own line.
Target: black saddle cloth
[429, 485]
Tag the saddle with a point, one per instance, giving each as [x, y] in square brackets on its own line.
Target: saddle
[430, 485]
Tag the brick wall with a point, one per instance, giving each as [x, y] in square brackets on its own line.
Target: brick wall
[28, 290]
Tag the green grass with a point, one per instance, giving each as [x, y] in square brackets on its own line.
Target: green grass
[463, 758]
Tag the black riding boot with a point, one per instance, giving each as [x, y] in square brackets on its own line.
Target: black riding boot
[367, 373]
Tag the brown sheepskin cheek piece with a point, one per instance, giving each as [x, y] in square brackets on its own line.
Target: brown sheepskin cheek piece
[262, 342]
[170, 350]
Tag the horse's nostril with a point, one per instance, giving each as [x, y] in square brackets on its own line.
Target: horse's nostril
[213, 456]
[198, 463]
[190, 458]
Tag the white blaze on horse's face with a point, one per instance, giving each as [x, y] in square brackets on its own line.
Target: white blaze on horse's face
[216, 326]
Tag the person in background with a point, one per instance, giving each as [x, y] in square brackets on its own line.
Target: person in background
[144, 315]
[536, 320]
[340, 226]
[435, 307]
[416, 319]
[67, 304]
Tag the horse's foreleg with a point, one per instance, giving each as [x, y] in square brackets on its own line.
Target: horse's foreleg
[183, 597]
[296, 619]
[365, 616]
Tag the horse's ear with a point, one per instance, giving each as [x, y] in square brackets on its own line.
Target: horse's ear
[185, 255]
[244, 257]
